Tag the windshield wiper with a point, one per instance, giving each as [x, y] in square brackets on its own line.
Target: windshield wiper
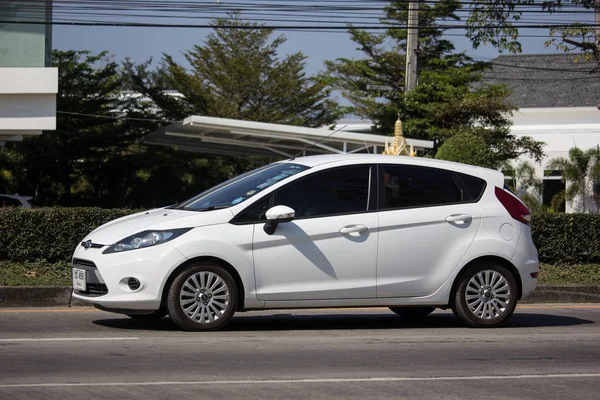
[209, 208]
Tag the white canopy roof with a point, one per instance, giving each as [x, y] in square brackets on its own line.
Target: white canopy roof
[237, 137]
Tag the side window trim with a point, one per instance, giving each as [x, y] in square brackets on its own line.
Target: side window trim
[465, 188]
[240, 216]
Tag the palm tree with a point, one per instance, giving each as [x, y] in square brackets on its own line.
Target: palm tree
[582, 173]
[525, 184]
[595, 175]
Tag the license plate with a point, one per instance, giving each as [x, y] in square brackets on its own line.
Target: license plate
[79, 279]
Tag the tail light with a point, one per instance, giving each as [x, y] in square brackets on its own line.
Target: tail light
[514, 206]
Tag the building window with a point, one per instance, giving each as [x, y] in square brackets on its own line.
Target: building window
[25, 45]
[552, 186]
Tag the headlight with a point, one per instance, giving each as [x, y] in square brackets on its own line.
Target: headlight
[145, 239]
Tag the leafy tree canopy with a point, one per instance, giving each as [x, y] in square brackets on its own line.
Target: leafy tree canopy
[240, 73]
[496, 22]
[450, 98]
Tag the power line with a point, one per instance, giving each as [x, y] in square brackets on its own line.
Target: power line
[277, 27]
[115, 117]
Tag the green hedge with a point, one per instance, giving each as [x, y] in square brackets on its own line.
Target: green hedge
[567, 238]
[51, 234]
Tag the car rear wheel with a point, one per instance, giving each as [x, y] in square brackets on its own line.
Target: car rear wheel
[202, 298]
[486, 296]
[412, 312]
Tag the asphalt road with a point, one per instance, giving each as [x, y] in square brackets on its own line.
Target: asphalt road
[549, 352]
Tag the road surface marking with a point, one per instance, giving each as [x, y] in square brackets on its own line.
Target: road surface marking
[296, 381]
[80, 339]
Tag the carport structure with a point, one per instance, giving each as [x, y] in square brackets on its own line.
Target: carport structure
[245, 138]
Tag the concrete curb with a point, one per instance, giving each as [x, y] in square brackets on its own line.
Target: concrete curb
[565, 294]
[60, 296]
[37, 296]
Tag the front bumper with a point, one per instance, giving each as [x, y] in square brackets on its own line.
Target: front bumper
[107, 276]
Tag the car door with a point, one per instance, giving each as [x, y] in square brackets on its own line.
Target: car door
[427, 222]
[329, 250]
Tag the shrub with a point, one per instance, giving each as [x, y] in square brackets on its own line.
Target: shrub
[52, 234]
[567, 238]
[49, 234]
[467, 148]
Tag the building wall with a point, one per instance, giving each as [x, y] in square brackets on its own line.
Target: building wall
[561, 129]
[28, 86]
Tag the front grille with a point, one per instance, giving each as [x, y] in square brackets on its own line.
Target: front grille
[94, 290]
[78, 262]
[95, 285]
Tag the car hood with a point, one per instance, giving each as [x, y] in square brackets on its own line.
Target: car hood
[158, 219]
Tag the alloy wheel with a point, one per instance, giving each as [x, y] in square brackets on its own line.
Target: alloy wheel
[488, 295]
[204, 297]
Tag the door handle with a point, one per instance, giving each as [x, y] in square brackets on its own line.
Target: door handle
[354, 229]
[459, 218]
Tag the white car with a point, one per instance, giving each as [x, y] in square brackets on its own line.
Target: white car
[411, 234]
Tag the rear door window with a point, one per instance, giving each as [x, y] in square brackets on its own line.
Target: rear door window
[404, 186]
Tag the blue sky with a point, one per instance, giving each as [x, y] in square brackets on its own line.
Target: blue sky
[142, 43]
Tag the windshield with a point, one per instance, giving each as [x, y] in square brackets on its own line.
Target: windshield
[242, 187]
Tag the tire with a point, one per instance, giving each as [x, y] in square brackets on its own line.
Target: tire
[485, 308]
[202, 298]
[154, 316]
[413, 312]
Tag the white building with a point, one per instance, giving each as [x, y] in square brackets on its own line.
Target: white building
[28, 84]
[559, 104]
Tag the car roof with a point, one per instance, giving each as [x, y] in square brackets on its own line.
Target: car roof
[313, 161]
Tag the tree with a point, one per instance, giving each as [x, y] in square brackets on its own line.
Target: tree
[526, 184]
[450, 98]
[494, 22]
[238, 73]
[88, 92]
[581, 172]
[10, 162]
[95, 156]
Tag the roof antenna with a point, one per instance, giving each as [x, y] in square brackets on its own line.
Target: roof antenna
[316, 143]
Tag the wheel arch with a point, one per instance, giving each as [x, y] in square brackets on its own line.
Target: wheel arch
[487, 260]
[215, 260]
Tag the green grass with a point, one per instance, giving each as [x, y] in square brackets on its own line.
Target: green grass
[45, 273]
[34, 273]
[565, 274]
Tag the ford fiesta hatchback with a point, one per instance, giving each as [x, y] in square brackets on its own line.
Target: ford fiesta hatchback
[411, 234]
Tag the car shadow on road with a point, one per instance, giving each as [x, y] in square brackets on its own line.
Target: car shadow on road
[345, 321]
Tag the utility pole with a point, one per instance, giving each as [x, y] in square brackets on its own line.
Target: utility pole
[597, 22]
[412, 43]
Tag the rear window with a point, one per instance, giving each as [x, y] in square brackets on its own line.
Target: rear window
[473, 186]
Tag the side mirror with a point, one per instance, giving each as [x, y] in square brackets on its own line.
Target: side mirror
[277, 215]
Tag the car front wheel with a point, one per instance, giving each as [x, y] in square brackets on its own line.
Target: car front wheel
[486, 296]
[202, 298]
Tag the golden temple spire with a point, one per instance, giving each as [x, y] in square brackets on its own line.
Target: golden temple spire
[398, 127]
[399, 146]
